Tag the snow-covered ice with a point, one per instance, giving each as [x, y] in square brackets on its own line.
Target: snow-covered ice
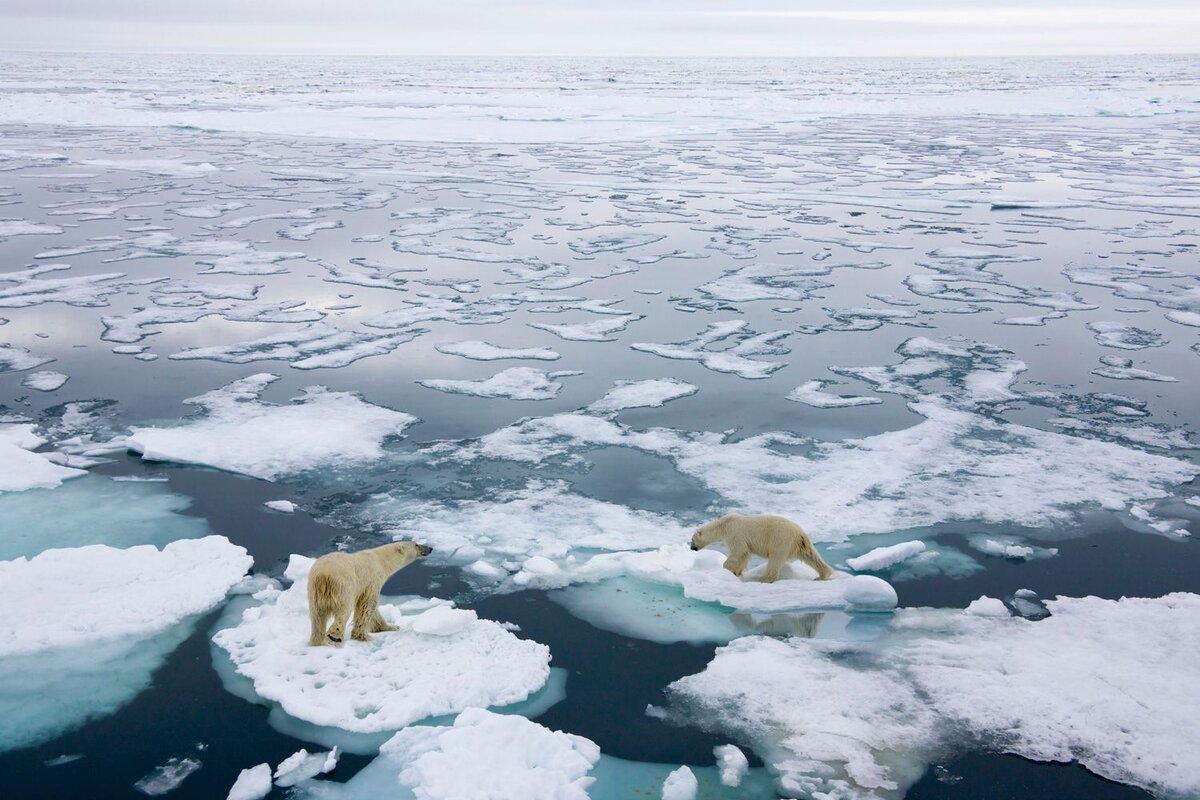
[485, 351]
[515, 383]
[253, 783]
[44, 380]
[394, 680]
[1103, 682]
[884, 557]
[239, 432]
[21, 469]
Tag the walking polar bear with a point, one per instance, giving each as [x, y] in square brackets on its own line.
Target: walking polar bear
[774, 538]
[343, 583]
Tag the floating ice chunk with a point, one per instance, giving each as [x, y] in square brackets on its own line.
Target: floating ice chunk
[59, 761]
[20, 469]
[599, 331]
[23, 227]
[17, 359]
[1125, 337]
[154, 588]
[314, 346]
[44, 380]
[251, 784]
[153, 166]
[614, 243]
[303, 765]
[814, 395]
[884, 557]
[483, 351]
[94, 510]
[643, 394]
[30, 289]
[515, 383]
[240, 433]
[735, 359]
[132, 327]
[680, 785]
[396, 679]
[210, 211]
[1189, 318]
[168, 777]
[1009, 547]
[1122, 369]
[282, 506]
[1117, 698]
[732, 762]
[986, 606]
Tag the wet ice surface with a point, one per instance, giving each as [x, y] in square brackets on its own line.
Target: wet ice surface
[943, 314]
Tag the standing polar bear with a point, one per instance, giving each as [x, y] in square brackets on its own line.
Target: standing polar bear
[776, 539]
[341, 583]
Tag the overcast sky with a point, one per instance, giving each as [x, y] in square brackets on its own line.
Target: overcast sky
[614, 27]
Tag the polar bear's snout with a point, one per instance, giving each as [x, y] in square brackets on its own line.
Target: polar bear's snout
[695, 536]
[424, 549]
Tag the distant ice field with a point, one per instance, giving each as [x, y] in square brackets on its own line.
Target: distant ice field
[548, 317]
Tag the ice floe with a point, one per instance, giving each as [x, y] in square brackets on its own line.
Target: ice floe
[397, 678]
[21, 469]
[884, 557]
[653, 393]
[315, 346]
[75, 659]
[44, 380]
[253, 783]
[484, 351]
[1125, 337]
[680, 785]
[515, 383]
[239, 432]
[1122, 369]
[601, 330]
[1099, 681]
[735, 359]
[18, 359]
[168, 777]
[813, 393]
[282, 506]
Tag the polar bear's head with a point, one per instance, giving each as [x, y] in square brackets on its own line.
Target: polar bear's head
[706, 534]
[400, 554]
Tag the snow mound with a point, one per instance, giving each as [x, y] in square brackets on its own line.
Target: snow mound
[396, 679]
[492, 755]
[680, 785]
[1103, 682]
[241, 433]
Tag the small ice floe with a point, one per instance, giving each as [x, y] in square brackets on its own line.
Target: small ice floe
[1189, 318]
[315, 346]
[735, 359]
[1122, 369]
[18, 359]
[241, 433]
[1117, 697]
[253, 783]
[652, 393]
[613, 243]
[433, 665]
[601, 330]
[59, 761]
[813, 394]
[483, 351]
[680, 785]
[303, 765]
[883, 557]
[282, 506]
[515, 383]
[168, 777]
[21, 469]
[1009, 547]
[44, 380]
[1125, 337]
[23, 227]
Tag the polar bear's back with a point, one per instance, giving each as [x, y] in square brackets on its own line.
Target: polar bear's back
[766, 534]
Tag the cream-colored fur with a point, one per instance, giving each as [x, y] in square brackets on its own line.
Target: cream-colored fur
[776, 539]
[343, 583]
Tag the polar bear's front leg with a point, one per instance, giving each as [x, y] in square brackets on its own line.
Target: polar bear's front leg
[378, 623]
[737, 561]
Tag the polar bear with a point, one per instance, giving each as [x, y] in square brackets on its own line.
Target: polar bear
[341, 583]
[774, 538]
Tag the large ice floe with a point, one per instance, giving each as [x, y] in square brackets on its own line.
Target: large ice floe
[1107, 683]
[89, 625]
[441, 661]
[239, 432]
